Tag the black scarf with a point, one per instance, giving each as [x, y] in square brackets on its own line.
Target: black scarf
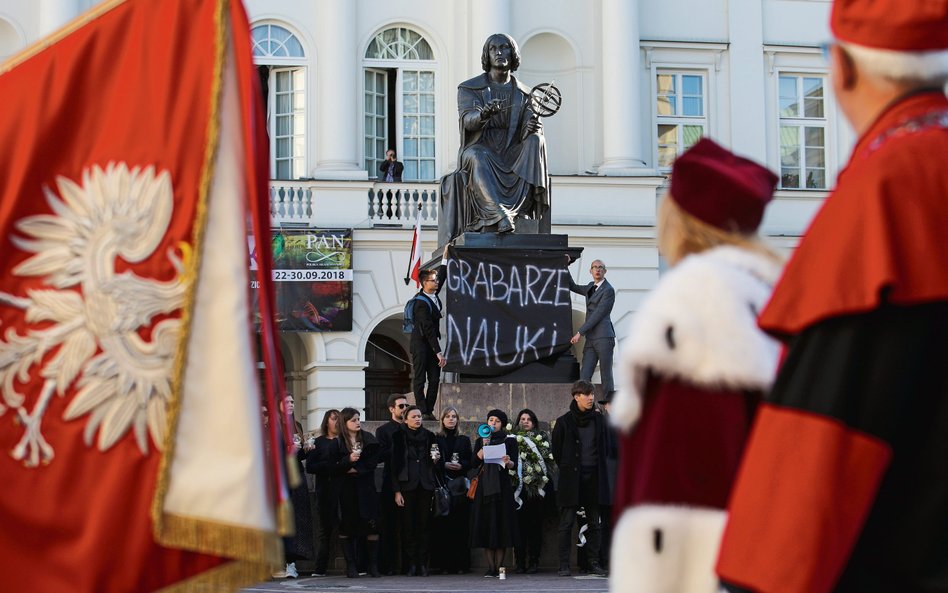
[416, 438]
[499, 437]
[582, 418]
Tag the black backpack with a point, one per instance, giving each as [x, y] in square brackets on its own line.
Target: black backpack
[408, 316]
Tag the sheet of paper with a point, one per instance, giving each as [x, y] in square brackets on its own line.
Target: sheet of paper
[495, 454]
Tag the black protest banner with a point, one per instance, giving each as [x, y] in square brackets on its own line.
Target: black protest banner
[505, 309]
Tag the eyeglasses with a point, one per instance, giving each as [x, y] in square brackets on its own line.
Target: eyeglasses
[401, 406]
[598, 268]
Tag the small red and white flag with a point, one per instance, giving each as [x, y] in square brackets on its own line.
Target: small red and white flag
[414, 259]
[132, 452]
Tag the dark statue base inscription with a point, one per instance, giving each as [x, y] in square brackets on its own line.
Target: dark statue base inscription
[509, 309]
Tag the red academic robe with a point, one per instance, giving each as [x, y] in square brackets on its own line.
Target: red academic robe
[844, 484]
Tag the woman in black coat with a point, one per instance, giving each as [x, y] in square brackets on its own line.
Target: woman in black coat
[535, 488]
[299, 546]
[450, 550]
[414, 452]
[357, 456]
[320, 462]
[493, 514]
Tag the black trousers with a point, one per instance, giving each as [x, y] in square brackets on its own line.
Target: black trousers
[326, 524]
[424, 365]
[605, 535]
[415, 518]
[589, 500]
[530, 520]
[451, 539]
[389, 556]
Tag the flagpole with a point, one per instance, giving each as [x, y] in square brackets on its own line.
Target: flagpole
[415, 253]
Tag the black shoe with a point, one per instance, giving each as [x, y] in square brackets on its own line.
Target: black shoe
[428, 416]
[423, 571]
[490, 572]
[412, 571]
[598, 570]
[505, 226]
[564, 570]
[532, 569]
[521, 570]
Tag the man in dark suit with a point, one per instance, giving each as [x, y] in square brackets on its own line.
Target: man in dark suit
[388, 525]
[426, 357]
[598, 330]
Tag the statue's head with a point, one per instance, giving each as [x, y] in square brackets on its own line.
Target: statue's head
[501, 38]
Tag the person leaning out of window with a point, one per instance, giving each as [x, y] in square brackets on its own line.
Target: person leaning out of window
[390, 170]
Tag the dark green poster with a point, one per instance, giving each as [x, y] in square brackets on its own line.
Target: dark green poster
[312, 278]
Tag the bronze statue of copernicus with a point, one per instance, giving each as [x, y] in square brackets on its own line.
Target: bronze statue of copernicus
[502, 167]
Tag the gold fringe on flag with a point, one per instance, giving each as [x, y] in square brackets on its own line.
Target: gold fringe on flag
[226, 577]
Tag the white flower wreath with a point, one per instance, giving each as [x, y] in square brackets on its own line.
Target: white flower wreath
[532, 464]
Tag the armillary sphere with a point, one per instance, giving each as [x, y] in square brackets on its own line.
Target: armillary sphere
[545, 99]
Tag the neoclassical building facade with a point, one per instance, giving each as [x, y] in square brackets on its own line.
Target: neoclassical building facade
[642, 80]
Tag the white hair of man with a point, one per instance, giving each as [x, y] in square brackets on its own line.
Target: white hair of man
[929, 68]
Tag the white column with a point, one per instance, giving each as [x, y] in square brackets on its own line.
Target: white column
[56, 13]
[338, 84]
[487, 17]
[745, 23]
[621, 89]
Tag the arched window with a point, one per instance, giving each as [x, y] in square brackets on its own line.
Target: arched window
[281, 63]
[400, 102]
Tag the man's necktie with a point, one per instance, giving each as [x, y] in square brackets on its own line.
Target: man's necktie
[591, 291]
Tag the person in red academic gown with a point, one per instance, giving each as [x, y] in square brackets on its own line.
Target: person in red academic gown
[844, 484]
[698, 366]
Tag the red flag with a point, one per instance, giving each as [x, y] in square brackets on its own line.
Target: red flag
[414, 259]
[136, 154]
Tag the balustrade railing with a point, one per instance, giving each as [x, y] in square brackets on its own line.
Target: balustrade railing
[397, 203]
[291, 201]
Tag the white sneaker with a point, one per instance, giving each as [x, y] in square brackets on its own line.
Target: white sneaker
[291, 571]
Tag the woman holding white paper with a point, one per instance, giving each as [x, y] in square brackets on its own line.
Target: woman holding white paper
[493, 520]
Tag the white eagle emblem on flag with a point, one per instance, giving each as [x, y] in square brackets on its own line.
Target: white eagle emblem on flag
[91, 316]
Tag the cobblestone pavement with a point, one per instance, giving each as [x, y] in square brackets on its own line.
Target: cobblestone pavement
[514, 583]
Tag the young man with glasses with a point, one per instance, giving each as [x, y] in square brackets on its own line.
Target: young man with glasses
[388, 537]
[598, 330]
[426, 357]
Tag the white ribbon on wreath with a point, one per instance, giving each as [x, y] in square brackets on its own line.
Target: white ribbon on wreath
[536, 451]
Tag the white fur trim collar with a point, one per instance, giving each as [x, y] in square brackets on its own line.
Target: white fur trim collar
[699, 324]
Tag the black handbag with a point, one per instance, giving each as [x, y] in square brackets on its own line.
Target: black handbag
[441, 501]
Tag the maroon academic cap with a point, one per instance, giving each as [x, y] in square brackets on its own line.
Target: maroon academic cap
[720, 188]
